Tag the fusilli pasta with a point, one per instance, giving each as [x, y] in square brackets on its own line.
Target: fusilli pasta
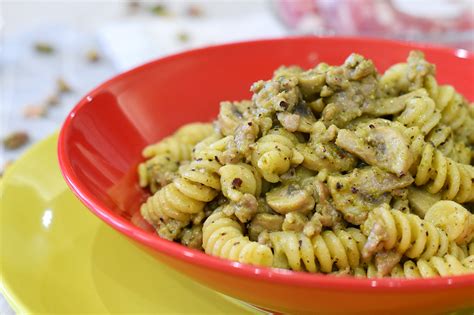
[335, 169]
[223, 237]
[198, 183]
[422, 268]
[275, 153]
[298, 252]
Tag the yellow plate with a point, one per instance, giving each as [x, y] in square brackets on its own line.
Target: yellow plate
[57, 257]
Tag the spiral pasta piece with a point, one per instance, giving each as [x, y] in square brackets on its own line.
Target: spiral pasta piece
[275, 153]
[338, 170]
[461, 153]
[458, 251]
[454, 219]
[443, 174]
[447, 265]
[296, 251]
[442, 138]
[194, 132]
[170, 146]
[453, 107]
[159, 169]
[198, 183]
[436, 266]
[239, 179]
[420, 111]
[407, 233]
[165, 156]
[182, 140]
[223, 237]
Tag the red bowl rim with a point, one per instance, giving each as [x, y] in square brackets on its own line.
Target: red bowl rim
[178, 251]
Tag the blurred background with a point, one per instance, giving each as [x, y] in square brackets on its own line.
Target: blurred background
[53, 52]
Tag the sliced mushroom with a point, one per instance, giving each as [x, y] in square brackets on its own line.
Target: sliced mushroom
[307, 118]
[421, 200]
[299, 175]
[390, 105]
[381, 146]
[356, 193]
[289, 198]
[326, 156]
[230, 114]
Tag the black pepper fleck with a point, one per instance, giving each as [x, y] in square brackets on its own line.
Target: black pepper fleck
[236, 182]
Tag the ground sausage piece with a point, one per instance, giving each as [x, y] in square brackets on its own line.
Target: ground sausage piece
[264, 222]
[192, 237]
[385, 261]
[354, 83]
[245, 135]
[264, 239]
[313, 226]
[170, 229]
[244, 209]
[294, 221]
[289, 121]
[374, 241]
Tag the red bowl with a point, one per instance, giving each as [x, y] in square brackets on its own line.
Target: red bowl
[101, 141]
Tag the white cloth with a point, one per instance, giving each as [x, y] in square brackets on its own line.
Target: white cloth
[132, 43]
[27, 78]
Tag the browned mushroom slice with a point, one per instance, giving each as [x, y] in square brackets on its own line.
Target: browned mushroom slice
[421, 200]
[381, 146]
[307, 118]
[231, 115]
[326, 156]
[339, 113]
[356, 193]
[391, 105]
[290, 198]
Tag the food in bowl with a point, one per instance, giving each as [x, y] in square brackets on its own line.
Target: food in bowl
[100, 147]
[335, 169]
